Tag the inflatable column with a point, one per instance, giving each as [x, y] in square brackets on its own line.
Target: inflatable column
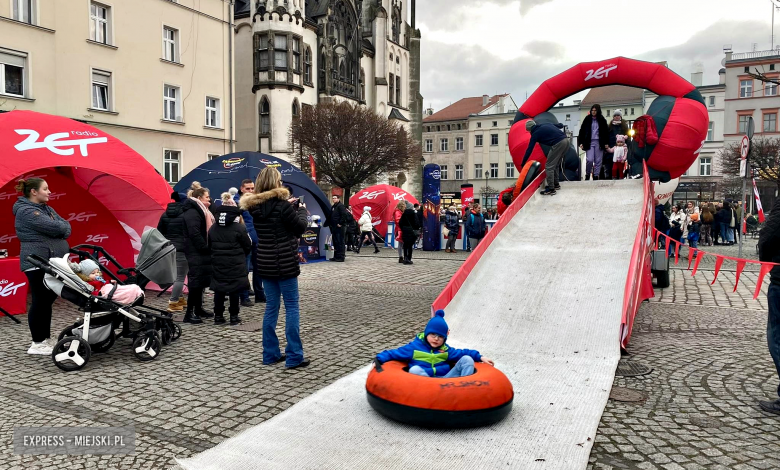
[466, 197]
[431, 199]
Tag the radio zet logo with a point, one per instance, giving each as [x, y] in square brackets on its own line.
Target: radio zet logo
[8, 288]
[372, 194]
[599, 73]
[96, 238]
[55, 143]
[80, 217]
[7, 238]
[399, 196]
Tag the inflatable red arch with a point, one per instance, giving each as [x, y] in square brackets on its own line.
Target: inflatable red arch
[679, 113]
[108, 192]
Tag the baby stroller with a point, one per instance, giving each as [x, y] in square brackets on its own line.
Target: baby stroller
[95, 332]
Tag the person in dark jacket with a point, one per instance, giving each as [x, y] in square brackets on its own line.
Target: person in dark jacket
[419, 213]
[409, 225]
[197, 220]
[723, 219]
[616, 127]
[675, 234]
[248, 186]
[172, 227]
[769, 251]
[279, 220]
[694, 231]
[230, 244]
[475, 225]
[41, 231]
[593, 139]
[661, 224]
[352, 232]
[338, 227]
[552, 136]
[452, 223]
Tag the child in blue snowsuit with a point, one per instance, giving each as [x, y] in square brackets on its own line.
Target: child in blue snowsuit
[428, 354]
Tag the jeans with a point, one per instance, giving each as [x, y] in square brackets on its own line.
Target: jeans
[693, 243]
[773, 326]
[464, 367]
[257, 284]
[400, 245]
[473, 242]
[39, 315]
[726, 233]
[181, 272]
[554, 161]
[288, 289]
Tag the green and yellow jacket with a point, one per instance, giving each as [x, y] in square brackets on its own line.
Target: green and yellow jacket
[436, 362]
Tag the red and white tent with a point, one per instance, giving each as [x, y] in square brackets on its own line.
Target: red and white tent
[382, 200]
[108, 192]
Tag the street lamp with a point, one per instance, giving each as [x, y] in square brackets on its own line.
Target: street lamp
[485, 202]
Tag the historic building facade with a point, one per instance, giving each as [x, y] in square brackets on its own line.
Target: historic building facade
[291, 54]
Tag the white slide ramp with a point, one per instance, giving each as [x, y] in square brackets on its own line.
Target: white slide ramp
[545, 302]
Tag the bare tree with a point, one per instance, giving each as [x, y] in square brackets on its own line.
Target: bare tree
[352, 144]
[763, 159]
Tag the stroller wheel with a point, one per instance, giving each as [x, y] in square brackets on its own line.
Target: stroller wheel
[71, 353]
[166, 333]
[147, 346]
[176, 331]
[105, 345]
[69, 330]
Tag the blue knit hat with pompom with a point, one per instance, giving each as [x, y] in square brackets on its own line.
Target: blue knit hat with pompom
[437, 325]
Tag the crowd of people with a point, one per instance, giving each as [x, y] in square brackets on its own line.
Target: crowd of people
[701, 224]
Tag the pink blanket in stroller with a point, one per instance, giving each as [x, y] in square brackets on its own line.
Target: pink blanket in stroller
[125, 295]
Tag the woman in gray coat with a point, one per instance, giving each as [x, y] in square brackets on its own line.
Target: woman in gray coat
[41, 231]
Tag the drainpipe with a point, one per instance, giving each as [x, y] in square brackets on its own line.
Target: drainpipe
[230, 71]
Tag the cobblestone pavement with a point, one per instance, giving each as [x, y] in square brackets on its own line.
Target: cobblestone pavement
[210, 384]
[706, 346]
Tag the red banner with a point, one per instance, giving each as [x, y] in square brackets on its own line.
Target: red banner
[759, 208]
[466, 196]
[313, 169]
[13, 287]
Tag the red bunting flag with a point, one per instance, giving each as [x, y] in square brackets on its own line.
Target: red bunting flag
[740, 268]
[699, 255]
[718, 263]
[676, 251]
[765, 268]
[313, 169]
[760, 209]
[691, 253]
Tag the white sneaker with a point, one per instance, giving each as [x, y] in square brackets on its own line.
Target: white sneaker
[51, 342]
[41, 349]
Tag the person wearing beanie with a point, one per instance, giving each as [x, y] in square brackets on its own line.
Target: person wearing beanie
[89, 271]
[694, 231]
[552, 136]
[366, 226]
[619, 155]
[429, 356]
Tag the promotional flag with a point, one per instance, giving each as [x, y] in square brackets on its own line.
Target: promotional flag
[761, 216]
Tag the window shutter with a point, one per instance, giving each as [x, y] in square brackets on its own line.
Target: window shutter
[8, 57]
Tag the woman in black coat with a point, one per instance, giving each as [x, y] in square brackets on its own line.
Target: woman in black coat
[409, 223]
[594, 140]
[173, 228]
[230, 244]
[197, 220]
[279, 220]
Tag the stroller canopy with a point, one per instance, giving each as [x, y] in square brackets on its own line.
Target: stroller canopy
[107, 191]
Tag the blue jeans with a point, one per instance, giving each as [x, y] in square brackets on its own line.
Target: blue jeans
[773, 326]
[693, 243]
[726, 233]
[274, 290]
[464, 367]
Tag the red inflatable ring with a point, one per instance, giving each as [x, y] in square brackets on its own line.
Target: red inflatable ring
[480, 399]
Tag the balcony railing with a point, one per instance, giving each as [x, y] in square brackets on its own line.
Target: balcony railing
[755, 54]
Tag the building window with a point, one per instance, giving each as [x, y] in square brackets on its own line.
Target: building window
[443, 172]
[770, 89]
[607, 113]
[444, 145]
[711, 131]
[771, 66]
[510, 170]
[398, 91]
[459, 127]
[306, 65]
[632, 111]
[98, 23]
[458, 143]
[212, 156]
[705, 166]
[171, 97]
[479, 125]
[438, 128]
[265, 117]
[212, 112]
[712, 101]
[493, 139]
[477, 170]
[171, 161]
[458, 172]
[391, 57]
[494, 170]
[262, 52]
[101, 86]
[743, 120]
[427, 128]
[747, 69]
[296, 55]
[495, 123]
[170, 44]
[24, 10]
[429, 145]
[449, 127]
[770, 122]
[12, 73]
[280, 51]
[478, 141]
[391, 94]
[745, 88]
[295, 110]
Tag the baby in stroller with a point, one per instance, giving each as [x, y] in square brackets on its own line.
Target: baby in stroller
[89, 272]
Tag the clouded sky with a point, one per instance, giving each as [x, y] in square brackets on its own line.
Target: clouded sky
[476, 47]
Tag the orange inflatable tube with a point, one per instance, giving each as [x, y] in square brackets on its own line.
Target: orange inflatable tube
[480, 399]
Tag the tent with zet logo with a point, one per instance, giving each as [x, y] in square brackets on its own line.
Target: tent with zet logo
[108, 192]
[382, 199]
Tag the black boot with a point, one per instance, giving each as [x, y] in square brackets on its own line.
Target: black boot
[400, 259]
[203, 313]
[219, 318]
[587, 177]
[190, 317]
[595, 178]
[234, 320]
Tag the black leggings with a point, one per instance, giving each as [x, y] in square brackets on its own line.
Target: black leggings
[370, 236]
[195, 300]
[219, 303]
[408, 250]
[39, 315]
